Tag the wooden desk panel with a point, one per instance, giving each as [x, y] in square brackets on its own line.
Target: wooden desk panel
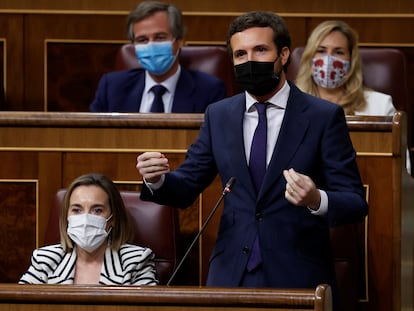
[53, 148]
[108, 298]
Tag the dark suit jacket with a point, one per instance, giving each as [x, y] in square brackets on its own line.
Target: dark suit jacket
[295, 245]
[121, 91]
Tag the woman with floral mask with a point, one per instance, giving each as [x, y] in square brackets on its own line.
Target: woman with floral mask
[331, 68]
[94, 231]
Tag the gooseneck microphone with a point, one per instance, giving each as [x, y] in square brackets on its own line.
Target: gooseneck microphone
[226, 190]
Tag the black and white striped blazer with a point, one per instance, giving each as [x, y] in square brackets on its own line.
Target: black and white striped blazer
[130, 265]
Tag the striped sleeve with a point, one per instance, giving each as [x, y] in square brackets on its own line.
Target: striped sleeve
[130, 265]
[43, 261]
[140, 262]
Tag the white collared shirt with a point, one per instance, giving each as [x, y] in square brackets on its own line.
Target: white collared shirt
[274, 112]
[168, 97]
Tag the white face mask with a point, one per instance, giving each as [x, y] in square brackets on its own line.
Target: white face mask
[329, 71]
[87, 230]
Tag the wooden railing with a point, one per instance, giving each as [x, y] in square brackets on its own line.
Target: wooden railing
[80, 298]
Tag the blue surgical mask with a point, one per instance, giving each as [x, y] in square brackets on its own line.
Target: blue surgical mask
[156, 57]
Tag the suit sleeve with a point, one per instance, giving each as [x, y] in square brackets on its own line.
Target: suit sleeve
[346, 194]
[99, 104]
[183, 185]
[219, 91]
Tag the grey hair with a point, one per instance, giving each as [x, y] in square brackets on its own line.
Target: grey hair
[148, 8]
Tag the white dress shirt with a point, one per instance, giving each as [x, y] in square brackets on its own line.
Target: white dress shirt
[274, 112]
[168, 97]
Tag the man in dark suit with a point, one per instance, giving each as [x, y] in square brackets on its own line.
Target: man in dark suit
[274, 230]
[162, 85]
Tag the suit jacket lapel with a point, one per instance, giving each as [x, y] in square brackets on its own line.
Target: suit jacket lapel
[134, 96]
[236, 143]
[65, 270]
[185, 86]
[292, 131]
[138, 92]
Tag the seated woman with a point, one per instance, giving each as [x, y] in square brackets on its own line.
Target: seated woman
[331, 68]
[94, 231]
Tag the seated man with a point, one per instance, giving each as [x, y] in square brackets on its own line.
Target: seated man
[162, 85]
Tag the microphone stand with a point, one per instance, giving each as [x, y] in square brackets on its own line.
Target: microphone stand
[226, 190]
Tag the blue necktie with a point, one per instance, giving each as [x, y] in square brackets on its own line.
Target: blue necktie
[158, 104]
[257, 168]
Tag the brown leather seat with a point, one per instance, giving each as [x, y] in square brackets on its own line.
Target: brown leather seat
[155, 226]
[213, 60]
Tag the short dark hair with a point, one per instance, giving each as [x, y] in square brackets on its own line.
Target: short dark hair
[148, 8]
[281, 36]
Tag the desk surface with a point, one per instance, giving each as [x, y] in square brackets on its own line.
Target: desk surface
[169, 298]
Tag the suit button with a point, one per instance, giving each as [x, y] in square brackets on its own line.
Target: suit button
[259, 216]
[246, 250]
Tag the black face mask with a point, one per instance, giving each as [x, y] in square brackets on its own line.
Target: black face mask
[257, 78]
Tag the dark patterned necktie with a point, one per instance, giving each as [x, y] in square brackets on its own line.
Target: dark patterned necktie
[158, 104]
[257, 161]
[257, 168]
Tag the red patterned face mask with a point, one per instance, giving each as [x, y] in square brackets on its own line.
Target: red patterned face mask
[329, 71]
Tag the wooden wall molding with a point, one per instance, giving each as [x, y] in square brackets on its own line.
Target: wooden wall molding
[211, 13]
[19, 223]
[365, 264]
[3, 44]
[67, 41]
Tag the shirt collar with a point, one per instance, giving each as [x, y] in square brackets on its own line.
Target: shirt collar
[279, 99]
[169, 84]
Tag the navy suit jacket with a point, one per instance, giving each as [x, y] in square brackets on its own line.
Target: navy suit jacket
[295, 244]
[121, 91]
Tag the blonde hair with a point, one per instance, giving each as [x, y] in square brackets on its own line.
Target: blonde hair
[353, 97]
[121, 229]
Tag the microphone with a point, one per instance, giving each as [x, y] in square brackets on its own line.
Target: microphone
[226, 190]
